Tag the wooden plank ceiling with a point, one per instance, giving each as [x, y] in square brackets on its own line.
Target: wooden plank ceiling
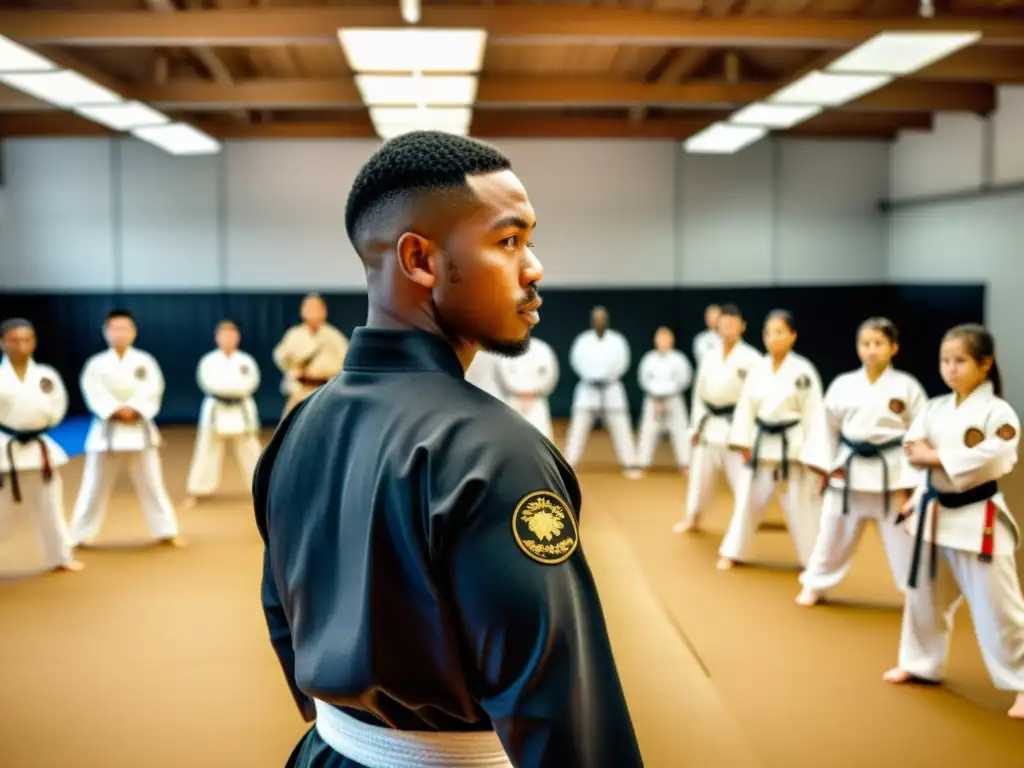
[572, 69]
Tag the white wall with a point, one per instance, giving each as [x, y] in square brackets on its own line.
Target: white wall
[95, 214]
[973, 237]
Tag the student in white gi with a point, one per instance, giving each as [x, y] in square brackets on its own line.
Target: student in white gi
[857, 453]
[529, 381]
[483, 374]
[962, 444]
[228, 377]
[600, 357]
[310, 354]
[32, 400]
[720, 379]
[709, 339]
[778, 409]
[123, 388]
[664, 374]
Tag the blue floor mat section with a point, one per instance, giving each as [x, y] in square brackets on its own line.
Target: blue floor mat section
[70, 434]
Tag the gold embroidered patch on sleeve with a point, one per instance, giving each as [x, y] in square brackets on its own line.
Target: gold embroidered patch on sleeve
[140, 373]
[1006, 432]
[46, 385]
[545, 528]
[897, 406]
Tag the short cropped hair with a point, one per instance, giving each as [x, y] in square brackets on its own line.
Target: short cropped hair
[421, 161]
[116, 313]
[15, 324]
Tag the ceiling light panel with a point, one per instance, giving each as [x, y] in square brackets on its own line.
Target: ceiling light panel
[410, 50]
[427, 90]
[901, 53]
[64, 89]
[779, 116]
[722, 138]
[829, 90]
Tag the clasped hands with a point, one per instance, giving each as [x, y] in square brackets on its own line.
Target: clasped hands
[125, 413]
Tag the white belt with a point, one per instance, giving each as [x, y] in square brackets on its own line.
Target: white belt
[378, 747]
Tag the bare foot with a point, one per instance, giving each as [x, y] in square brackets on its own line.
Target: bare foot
[173, 541]
[189, 502]
[1017, 710]
[73, 565]
[725, 564]
[896, 676]
[808, 597]
[632, 474]
[687, 525]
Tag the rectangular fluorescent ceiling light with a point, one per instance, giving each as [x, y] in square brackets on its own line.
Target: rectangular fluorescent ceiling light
[178, 139]
[900, 53]
[394, 121]
[724, 139]
[123, 117]
[64, 89]
[774, 115]
[417, 90]
[15, 58]
[829, 90]
[410, 50]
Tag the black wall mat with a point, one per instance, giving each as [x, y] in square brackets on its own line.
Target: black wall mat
[178, 328]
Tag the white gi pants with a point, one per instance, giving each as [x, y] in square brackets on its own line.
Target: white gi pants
[839, 535]
[44, 502]
[754, 490]
[705, 464]
[993, 593]
[208, 460]
[582, 421]
[101, 470]
[672, 420]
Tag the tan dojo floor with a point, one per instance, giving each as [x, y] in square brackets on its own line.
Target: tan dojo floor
[158, 658]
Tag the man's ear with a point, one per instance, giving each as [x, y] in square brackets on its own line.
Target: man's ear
[416, 259]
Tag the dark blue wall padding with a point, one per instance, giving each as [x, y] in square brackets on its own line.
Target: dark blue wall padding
[178, 327]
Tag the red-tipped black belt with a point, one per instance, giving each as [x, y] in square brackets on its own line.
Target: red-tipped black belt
[23, 437]
[951, 500]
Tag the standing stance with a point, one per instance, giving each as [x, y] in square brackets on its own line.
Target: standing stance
[710, 339]
[964, 443]
[529, 380]
[310, 354]
[228, 377]
[857, 452]
[32, 400]
[664, 375]
[600, 357]
[483, 373]
[424, 582]
[123, 388]
[780, 404]
[720, 380]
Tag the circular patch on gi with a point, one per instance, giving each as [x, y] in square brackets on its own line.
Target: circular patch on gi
[544, 528]
[973, 437]
[46, 385]
[803, 381]
[1006, 432]
[742, 373]
[244, 369]
[140, 372]
[897, 406]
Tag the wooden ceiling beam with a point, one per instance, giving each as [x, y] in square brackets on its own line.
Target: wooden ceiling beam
[991, 65]
[519, 24]
[682, 63]
[497, 91]
[488, 124]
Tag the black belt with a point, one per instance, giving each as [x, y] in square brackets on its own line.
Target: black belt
[773, 428]
[714, 410]
[232, 402]
[950, 500]
[867, 451]
[601, 386]
[310, 381]
[110, 424]
[24, 437]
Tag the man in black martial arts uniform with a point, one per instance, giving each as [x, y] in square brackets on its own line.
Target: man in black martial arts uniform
[424, 584]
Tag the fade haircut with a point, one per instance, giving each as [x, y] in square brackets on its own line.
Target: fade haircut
[421, 162]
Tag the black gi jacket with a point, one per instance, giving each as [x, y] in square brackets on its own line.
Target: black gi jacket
[422, 567]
